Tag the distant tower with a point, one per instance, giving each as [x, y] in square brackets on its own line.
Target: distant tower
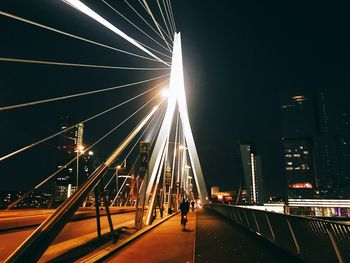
[79, 133]
[70, 142]
[252, 174]
[299, 167]
[332, 146]
[299, 127]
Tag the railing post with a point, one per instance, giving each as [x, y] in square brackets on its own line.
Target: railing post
[256, 222]
[334, 243]
[234, 213]
[246, 218]
[296, 243]
[271, 230]
[239, 215]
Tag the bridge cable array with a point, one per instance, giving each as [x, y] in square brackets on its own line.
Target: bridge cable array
[72, 126]
[156, 123]
[6, 14]
[142, 31]
[64, 166]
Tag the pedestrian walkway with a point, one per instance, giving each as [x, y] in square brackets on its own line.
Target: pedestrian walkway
[218, 240]
[165, 243]
[209, 238]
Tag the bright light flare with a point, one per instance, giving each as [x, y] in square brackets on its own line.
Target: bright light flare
[165, 93]
[155, 108]
[80, 149]
[91, 13]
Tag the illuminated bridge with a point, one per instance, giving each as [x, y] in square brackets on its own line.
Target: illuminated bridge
[122, 207]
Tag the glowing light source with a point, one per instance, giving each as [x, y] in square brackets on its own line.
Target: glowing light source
[165, 93]
[80, 149]
[299, 99]
[252, 164]
[301, 185]
[176, 97]
[91, 13]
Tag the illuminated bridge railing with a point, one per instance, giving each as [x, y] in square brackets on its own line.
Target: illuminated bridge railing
[311, 240]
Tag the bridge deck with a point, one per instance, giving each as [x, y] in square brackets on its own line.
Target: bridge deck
[165, 243]
[209, 238]
[218, 240]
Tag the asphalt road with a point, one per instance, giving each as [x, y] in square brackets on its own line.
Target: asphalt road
[73, 233]
[17, 218]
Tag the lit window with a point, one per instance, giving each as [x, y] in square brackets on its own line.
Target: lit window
[288, 155]
[288, 150]
[289, 168]
[306, 152]
[296, 155]
[289, 163]
[301, 147]
[297, 168]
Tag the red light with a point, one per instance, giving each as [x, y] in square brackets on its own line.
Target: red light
[301, 185]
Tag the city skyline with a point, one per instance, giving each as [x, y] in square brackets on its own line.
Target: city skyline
[153, 130]
[232, 72]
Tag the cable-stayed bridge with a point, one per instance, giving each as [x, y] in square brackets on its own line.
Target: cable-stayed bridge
[150, 159]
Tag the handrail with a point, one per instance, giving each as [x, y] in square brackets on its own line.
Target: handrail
[310, 239]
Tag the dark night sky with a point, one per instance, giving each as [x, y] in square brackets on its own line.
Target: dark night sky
[238, 58]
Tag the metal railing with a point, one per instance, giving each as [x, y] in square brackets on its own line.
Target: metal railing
[310, 239]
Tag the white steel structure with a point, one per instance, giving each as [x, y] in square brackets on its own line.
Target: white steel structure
[177, 97]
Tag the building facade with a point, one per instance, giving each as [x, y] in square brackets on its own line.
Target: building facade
[71, 146]
[316, 131]
[252, 171]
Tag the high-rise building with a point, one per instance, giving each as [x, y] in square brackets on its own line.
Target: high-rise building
[298, 115]
[325, 149]
[333, 145]
[299, 167]
[69, 146]
[299, 127]
[252, 171]
[320, 124]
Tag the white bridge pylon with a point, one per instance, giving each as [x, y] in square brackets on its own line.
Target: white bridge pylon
[177, 97]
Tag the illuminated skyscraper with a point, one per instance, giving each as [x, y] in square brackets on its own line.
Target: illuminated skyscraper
[316, 136]
[252, 171]
[70, 142]
[299, 127]
[299, 167]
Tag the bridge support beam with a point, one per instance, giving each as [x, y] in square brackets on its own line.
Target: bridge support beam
[33, 248]
[176, 97]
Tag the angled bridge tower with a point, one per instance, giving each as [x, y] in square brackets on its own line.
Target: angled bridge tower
[177, 97]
